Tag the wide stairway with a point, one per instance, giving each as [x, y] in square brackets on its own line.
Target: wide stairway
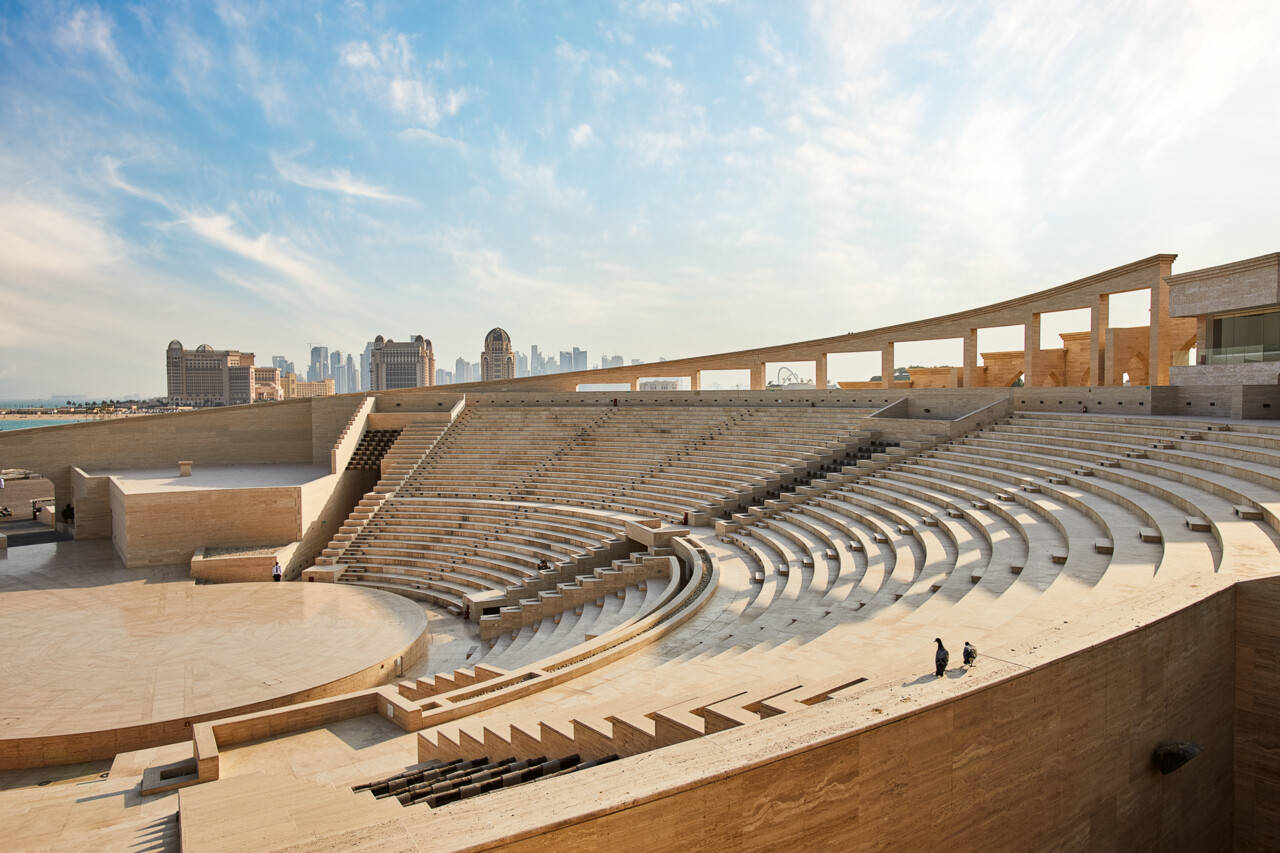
[1031, 520]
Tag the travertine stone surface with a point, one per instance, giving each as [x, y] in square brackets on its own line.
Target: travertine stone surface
[99, 659]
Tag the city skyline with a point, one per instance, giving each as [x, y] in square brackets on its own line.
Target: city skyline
[278, 174]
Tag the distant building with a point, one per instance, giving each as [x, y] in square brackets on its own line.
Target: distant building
[444, 377]
[208, 377]
[282, 364]
[295, 387]
[522, 364]
[579, 359]
[537, 362]
[566, 361]
[319, 364]
[611, 361]
[366, 367]
[337, 372]
[497, 361]
[353, 378]
[660, 385]
[266, 384]
[410, 364]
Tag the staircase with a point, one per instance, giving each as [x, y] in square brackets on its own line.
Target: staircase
[406, 453]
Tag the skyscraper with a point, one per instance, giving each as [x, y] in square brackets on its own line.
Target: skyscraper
[366, 367]
[337, 373]
[353, 378]
[566, 361]
[497, 360]
[411, 364]
[319, 369]
[537, 364]
[522, 364]
[579, 359]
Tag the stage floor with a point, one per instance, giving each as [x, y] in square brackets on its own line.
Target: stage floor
[96, 659]
[148, 480]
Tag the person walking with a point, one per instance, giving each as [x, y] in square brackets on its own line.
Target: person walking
[277, 572]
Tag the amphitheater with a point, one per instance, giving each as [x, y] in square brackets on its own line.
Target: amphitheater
[525, 616]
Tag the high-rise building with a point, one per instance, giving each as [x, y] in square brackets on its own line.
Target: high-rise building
[537, 364]
[611, 361]
[336, 372]
[410, 364]
[566, 361]
[461, 370]
[579, 359]
[282, 364]
[208, 377]
[497, 361]
[353, 378]
[319, 369]
[366, 367]
[522, 364]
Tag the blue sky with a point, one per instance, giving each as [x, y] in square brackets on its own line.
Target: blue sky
[645, 177]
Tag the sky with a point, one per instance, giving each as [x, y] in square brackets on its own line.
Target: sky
[645, 177]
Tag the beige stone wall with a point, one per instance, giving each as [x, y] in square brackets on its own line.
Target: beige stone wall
[91, 497]
[326, 504]
[329, 416]
[1251, 283]
[1056, 758]
[1253, 373]
[245, 435]
[232, 568]
[166, 528]
[1257, 718]
[18, 494]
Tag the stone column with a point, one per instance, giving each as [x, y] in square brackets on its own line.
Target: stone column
[1030, 350]
[695, 381]
[1099, 320]
[970, 378]
[1158, 349]
[820, 372]
[1202, 338]
[757, 376]
[886, 366]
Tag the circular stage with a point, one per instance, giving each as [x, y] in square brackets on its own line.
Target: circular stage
[89, 671]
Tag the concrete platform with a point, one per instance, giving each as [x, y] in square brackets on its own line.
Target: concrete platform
[141, 481]
[99, 659]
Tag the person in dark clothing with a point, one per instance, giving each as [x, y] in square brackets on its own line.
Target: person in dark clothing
[69, 514]
[277, 572]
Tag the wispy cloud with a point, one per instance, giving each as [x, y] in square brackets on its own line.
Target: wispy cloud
[539, 179]
[658, 58]
[388, 69]
[334, 180]
[674, 11]
[421, 134]
[89, 29]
